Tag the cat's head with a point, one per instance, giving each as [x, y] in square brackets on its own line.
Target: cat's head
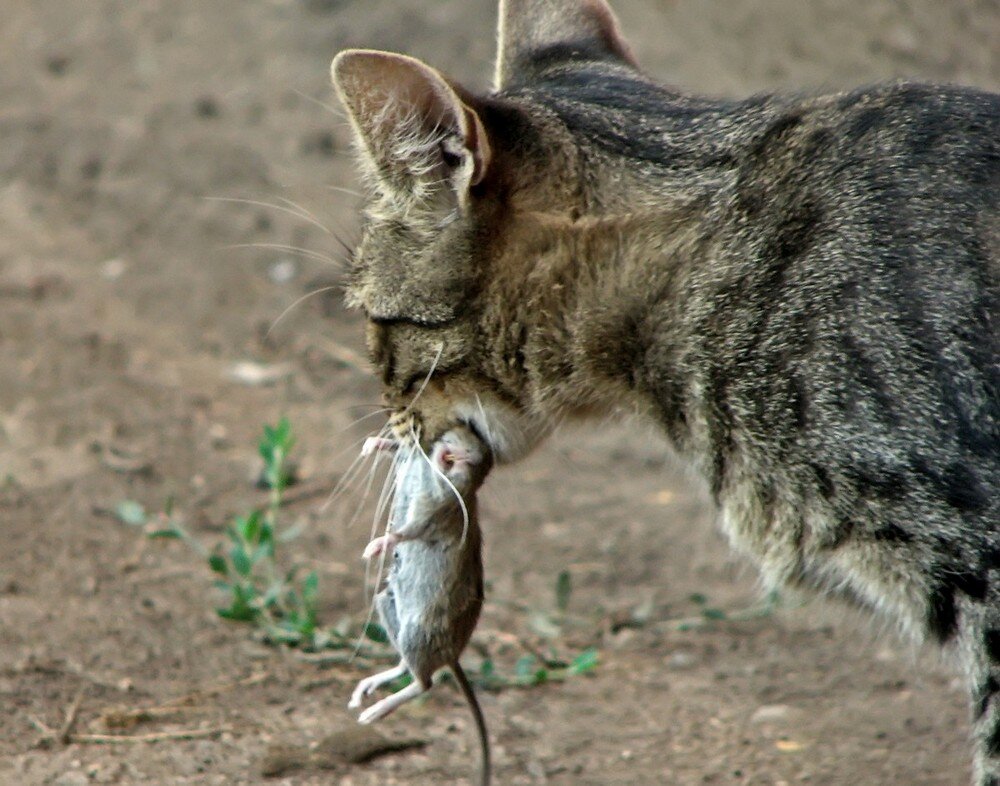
[447, 175]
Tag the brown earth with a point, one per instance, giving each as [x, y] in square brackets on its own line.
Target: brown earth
[124, 306]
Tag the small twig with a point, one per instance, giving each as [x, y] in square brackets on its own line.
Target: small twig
[47, 733]
[165, 573]
[316, 488]
[346, 656]
[342, 354]
[65, 732]
[183, 734]
[127, 718]
[528, 647]
[189, 698]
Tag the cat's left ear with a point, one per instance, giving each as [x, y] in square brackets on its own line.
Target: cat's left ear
[410, 122]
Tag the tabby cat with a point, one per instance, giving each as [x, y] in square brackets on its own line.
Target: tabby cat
[803, 292]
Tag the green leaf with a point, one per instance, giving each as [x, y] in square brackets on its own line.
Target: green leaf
[309, 588]
[713, 614]
[241, 562]
[525, 666]
[261, 552]
[585, 661]
[131, 512]
[237, 613]
[564, 588]
[376, 633]
[169, 534]
[486, 668]
[540, 677]
[697, 597]
[218, 564]
[249, 527]
[543, 624]
[271, 595]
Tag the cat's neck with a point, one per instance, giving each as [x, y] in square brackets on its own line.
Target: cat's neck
[567, 296]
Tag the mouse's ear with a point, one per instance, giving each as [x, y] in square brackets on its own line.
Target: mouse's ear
[534, 34]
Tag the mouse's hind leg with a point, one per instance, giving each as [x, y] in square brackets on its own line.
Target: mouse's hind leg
[382, 708]
[370, 684]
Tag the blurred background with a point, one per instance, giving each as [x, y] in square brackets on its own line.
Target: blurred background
[174, 178]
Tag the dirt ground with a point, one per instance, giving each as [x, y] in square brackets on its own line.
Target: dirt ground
[129, 291]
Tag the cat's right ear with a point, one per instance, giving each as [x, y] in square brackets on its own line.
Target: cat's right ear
[411, 125]
[550, 31]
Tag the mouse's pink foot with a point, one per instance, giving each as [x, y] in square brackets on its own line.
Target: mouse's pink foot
[383, 543]
[382, 708]
[368, 685]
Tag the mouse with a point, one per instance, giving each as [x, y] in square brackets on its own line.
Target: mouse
[433, 592]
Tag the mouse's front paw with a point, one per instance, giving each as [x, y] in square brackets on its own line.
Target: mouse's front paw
[377, 445]
[383, 543]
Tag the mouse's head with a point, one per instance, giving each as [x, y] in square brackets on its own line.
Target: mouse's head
[461, 457]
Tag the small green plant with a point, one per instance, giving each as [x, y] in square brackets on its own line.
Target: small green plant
[534, 669]
[246, 566]
[255, 588]
[262, 588]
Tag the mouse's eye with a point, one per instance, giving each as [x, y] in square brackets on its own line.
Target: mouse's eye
[447, 460]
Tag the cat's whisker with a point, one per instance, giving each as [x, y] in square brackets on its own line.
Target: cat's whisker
[304, 215]
[427, 379]
[369, 484]
[305, 212]
[386, 497]
[348, 191]
[300, 300]
[389, 489]
[379, 411]
[350, 475]
[333, 110]
[298, 250]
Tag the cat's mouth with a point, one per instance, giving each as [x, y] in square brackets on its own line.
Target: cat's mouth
[509, 432]
[448, 402]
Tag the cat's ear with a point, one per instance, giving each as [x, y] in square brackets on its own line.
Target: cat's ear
[532, 30]
[409, 121]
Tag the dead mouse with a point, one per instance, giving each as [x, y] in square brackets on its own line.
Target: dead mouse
[434, 590]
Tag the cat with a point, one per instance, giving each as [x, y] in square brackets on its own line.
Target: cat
[802, 291]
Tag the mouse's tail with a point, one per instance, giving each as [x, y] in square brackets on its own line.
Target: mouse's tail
[485, 773]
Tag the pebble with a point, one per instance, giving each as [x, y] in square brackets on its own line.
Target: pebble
[769, 713]
[71, 778]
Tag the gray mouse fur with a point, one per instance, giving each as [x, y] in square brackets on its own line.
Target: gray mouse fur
[433, 594]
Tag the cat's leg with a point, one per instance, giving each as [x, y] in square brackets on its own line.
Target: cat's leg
[980, 647]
